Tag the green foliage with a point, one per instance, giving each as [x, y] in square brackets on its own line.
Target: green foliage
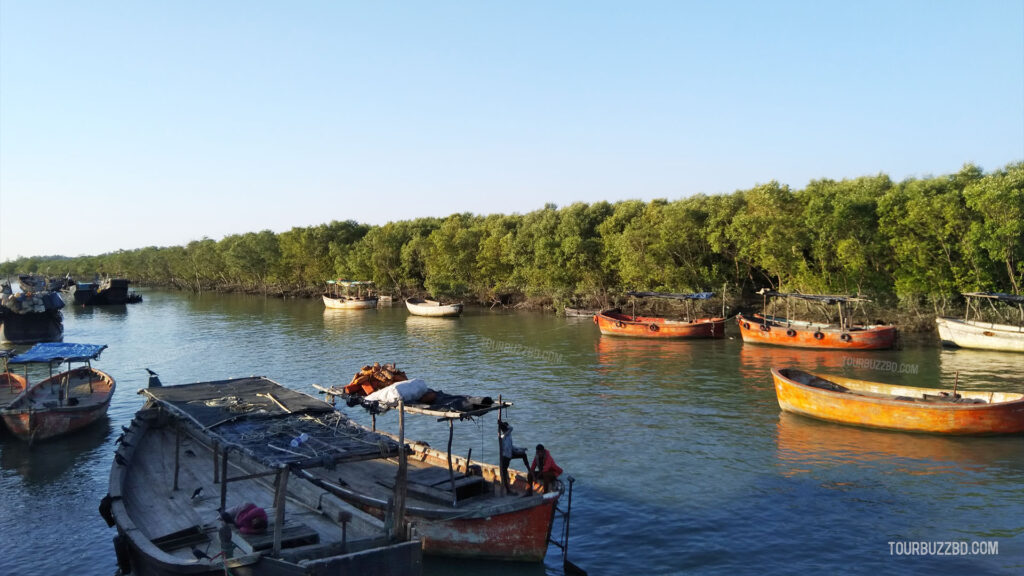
[929, 238]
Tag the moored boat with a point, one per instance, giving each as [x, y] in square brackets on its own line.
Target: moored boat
[457, 506]
[350, 295]
[29, 317]
[207, 480]
[967, 333]
[433, 308]
[614, 322]
[768, 329]
[62, 403]
[877, 405]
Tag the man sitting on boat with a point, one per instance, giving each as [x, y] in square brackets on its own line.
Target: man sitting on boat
[508, 452]
[544, 468]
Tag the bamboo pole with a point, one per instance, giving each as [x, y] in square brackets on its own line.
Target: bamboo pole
[400, 488]
[280, 498]
[451, 472]
[177, 455]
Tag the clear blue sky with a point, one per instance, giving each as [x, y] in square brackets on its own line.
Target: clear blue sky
[131, 124]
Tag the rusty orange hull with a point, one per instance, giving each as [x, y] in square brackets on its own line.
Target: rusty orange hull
[43, 412]
[520, 536]
[614, 323]
[877, 405]
[769, 330]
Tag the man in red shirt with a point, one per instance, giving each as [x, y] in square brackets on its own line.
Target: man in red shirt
[544, 467]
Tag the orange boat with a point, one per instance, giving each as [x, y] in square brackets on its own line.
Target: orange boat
[767, 329]
[62, 403]
[614, 322]
[876, 405]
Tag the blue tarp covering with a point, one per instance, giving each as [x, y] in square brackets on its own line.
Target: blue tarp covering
[63, 351]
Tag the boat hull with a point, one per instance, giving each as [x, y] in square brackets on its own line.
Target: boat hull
[780, 332]
[980, 335]
[614, 323]
[56, 418]
[433, 309]
[517, 536]
[349, 303]
[898, 407]
[33, 327]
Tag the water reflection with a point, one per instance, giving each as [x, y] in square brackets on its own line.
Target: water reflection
[47, 462]
[982, 370]
[806, 445]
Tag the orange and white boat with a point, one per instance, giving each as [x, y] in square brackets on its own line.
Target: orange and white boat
[614, 322]
[767, 329]
[62, 403]
[876, 405]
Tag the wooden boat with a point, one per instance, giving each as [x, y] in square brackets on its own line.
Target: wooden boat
[614, 322]
[30, 317]
[967, 333]
[426, 307]
[11, 384]
[768, 329]
[457, 507]
[580, 312]
[876, 405]
[62, 403]
[80, 293]
[197, 450]
[350, 295]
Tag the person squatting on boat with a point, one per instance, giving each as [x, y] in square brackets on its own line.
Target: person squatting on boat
[544, 468]
[509, 451]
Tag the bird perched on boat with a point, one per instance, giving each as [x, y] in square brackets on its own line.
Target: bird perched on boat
[199, 554]
[154, 380]
[190, 453]
[197, 492]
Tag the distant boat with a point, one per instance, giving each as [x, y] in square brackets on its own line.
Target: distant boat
[579, 312]
[30, 317]
[62, 403]
[197, 453]
[767, 329]
[967, 333]
[108, 291]
[877, 405]
[423, 307]
[614, 322]
[350, 294]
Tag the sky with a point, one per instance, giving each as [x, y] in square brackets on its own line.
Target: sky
[133, 124]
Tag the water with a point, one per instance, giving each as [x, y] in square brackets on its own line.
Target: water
[683, 461]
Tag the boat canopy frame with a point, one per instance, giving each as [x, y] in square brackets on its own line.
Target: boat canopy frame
[992, 298]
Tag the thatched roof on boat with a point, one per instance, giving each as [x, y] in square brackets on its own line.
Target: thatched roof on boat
[263, 418]
[673, 296]
[1000, 296]
[826, 298]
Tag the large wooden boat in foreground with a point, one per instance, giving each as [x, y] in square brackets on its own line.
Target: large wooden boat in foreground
[967, 333]
[62, 403]
[614, 322]
[198, 450]
[877, 405]
[767, 329]
[350, 295]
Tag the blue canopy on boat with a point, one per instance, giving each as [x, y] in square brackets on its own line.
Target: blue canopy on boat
[62, 351]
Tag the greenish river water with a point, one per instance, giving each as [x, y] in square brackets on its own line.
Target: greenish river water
[683, 461]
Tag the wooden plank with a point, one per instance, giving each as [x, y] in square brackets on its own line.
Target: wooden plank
[292, 535]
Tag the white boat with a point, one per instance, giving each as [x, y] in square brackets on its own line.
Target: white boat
[350, 295]
[967, 333]
[422, 307]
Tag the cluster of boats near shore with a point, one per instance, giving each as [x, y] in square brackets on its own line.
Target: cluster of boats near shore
[846, 400]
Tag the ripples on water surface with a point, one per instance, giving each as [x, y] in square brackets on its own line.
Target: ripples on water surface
[684, 462]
